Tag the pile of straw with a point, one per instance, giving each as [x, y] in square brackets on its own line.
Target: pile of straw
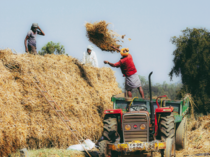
[198, 137]
[101, 36]
[27, 120]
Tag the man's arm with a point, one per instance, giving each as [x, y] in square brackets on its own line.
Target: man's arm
[112, 65]
[41, 32]
[25, 42]
[116, 48]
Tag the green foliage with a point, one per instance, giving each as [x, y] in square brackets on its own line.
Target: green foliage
[52, 48]
[171, 90]
[120, 87]
[192, 62]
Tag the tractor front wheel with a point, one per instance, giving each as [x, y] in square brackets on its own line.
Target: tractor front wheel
[169, 146]
[110, 129]
[167, 129]
[103, 148]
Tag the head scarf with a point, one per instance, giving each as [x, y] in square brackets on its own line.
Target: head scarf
[124, 53]
[90, 47]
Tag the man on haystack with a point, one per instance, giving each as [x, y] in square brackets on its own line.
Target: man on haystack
[129, 71]
[31, 37]
[89, 57]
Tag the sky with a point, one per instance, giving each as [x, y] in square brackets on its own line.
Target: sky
[149, 24]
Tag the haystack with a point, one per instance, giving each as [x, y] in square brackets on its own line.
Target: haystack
[198, 137]
[99, 34]
[26, 119]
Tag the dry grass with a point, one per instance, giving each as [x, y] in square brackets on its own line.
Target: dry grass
[99, 34]
[198, 136]
[82, 92]
[51, 153]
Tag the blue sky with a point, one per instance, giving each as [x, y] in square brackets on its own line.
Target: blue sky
[150, 25]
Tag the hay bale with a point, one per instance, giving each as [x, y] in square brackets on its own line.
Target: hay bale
[99, 34]
[26, 118]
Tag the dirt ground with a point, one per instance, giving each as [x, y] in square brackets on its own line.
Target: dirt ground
[198, 142]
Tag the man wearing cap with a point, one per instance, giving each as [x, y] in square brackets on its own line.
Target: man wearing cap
[89, 57]
[31, 37]
[129, 71]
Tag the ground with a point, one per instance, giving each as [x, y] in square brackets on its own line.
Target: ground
[198, 142]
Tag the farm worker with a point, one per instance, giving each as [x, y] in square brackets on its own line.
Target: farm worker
[31, 37]
[129, 71]
[89, 57]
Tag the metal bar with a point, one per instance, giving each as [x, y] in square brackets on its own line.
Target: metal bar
[151, 102]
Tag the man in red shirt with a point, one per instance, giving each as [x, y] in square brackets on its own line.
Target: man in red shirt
[129, 71]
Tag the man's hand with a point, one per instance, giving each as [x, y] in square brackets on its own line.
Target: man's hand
[115, 48]
[41, 32]
[26, 49]
[106, 62]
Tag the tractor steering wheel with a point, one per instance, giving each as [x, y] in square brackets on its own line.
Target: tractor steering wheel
[141, 108]
[134, 108]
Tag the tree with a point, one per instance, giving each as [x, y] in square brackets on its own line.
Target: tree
[52, 48]
[192, 62]
[171, 90]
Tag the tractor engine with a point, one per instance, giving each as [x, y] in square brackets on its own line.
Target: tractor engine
[135, 126]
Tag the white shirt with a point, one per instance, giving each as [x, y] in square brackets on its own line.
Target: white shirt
[90, 59]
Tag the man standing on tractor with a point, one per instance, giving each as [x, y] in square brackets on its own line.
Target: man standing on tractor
[89, 57]
[129, 71]
[31, 37]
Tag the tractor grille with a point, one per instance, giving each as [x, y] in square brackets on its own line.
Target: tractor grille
[135, 134]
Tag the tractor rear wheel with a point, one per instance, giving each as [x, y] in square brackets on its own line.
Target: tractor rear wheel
[110, 129]
[181, 135]
[103, 148]
[167, 129]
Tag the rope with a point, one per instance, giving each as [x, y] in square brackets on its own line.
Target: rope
[131, 103]
[133, 100]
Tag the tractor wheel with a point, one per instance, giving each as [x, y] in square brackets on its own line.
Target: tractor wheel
[167, 129]
[181, 135]
[110, 129]
[103, 148]
[169, 147]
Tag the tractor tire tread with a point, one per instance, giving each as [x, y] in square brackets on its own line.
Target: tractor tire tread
[102, 148]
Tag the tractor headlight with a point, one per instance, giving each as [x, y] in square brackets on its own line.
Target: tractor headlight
[127, 127]
[142, 126]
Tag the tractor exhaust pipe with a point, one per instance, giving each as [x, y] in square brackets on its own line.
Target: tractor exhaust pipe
[151, 102]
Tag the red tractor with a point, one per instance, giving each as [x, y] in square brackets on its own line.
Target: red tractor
[140, 127]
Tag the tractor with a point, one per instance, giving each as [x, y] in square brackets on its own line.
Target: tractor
[140, 127]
